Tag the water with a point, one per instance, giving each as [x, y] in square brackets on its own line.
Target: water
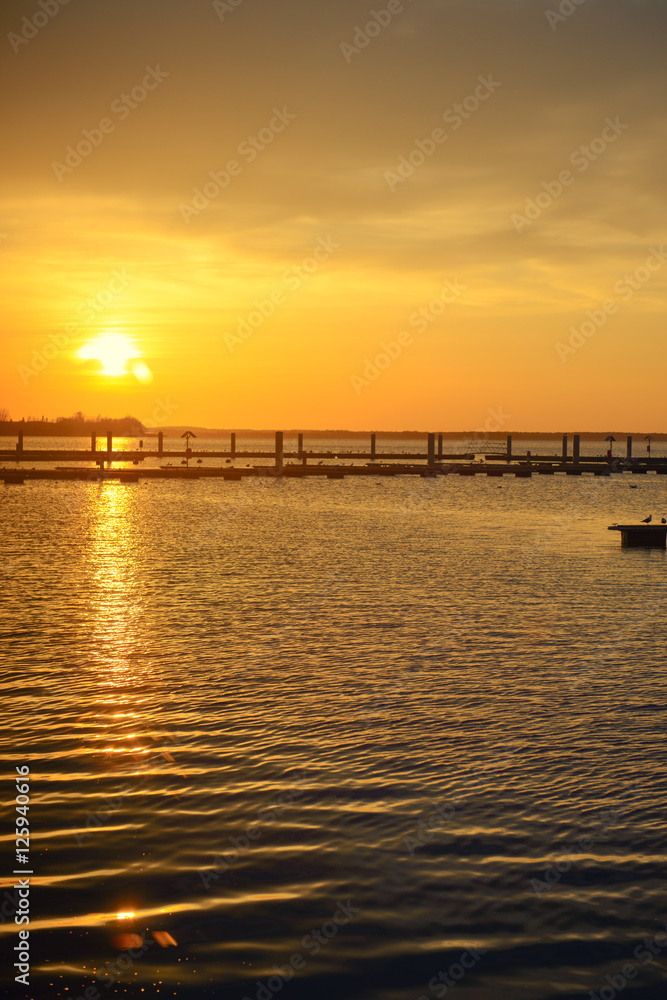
[339, 724]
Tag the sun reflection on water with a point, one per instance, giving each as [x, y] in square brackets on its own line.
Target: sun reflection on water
[124, 720]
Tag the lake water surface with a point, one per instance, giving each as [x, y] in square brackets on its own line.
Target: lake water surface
[338, 737]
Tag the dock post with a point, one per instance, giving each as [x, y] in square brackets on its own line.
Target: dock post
[19, 446]
[109, 447]
[431, 451]
[232, 445]
[93, 442]
[440, 447]
[509, 448]
[575, 449]
[300, 448]
[629, 446]
[565, 447]
[279, 450]
[160, 443]
[372, 447]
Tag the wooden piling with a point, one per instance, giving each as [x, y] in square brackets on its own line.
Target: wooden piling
[19, 446]
[431, 451]
[629, 446]
[160, 443]
[372, 447]
[300, 446]
[565, 447]
[109, 447]
[279, 451]
[576, 440]
[93, 442]
[232, 445]
[509, 447]
[440, 449]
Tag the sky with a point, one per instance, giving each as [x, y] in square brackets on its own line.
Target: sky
[425, 214]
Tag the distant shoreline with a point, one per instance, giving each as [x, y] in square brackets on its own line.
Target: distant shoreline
[133, 428]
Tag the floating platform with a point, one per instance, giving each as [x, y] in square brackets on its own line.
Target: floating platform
[299, 471]
[642, 536]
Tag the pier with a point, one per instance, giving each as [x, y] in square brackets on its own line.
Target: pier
[196, 462]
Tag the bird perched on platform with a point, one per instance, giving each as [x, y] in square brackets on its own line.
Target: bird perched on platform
[647, 520]
[663, 520]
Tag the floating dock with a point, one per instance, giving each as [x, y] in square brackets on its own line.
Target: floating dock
[642, 536]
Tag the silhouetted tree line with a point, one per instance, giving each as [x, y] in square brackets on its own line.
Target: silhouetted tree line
[77, 425]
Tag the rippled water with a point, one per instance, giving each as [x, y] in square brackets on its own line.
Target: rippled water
[381, 729]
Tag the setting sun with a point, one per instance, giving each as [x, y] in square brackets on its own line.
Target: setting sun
[115, 351]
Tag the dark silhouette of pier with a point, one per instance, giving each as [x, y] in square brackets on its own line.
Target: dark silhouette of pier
[300, 462]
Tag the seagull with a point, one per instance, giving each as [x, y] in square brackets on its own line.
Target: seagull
[647, 520]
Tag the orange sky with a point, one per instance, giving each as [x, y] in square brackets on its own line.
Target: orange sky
[454, 210]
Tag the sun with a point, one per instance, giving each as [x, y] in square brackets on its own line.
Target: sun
[115, 352]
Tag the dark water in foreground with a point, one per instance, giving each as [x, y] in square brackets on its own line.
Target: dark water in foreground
[342, 725]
